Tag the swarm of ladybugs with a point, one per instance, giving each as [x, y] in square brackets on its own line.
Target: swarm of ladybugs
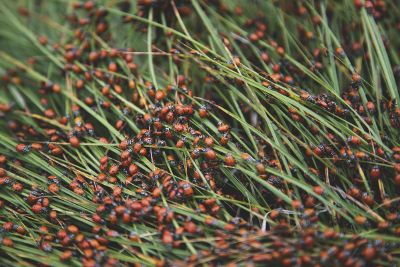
[202, 132]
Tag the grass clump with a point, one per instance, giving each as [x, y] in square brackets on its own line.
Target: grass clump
[199, 132]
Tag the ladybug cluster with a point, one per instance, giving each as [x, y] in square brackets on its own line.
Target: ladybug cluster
[203, 132]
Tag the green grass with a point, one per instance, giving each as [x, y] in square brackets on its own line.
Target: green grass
[208, 58]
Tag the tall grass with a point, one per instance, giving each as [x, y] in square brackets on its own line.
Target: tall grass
[235, 132]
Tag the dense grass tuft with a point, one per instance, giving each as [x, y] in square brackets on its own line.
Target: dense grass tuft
[199, 132]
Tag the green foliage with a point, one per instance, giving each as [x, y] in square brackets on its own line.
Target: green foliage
[199, 132]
